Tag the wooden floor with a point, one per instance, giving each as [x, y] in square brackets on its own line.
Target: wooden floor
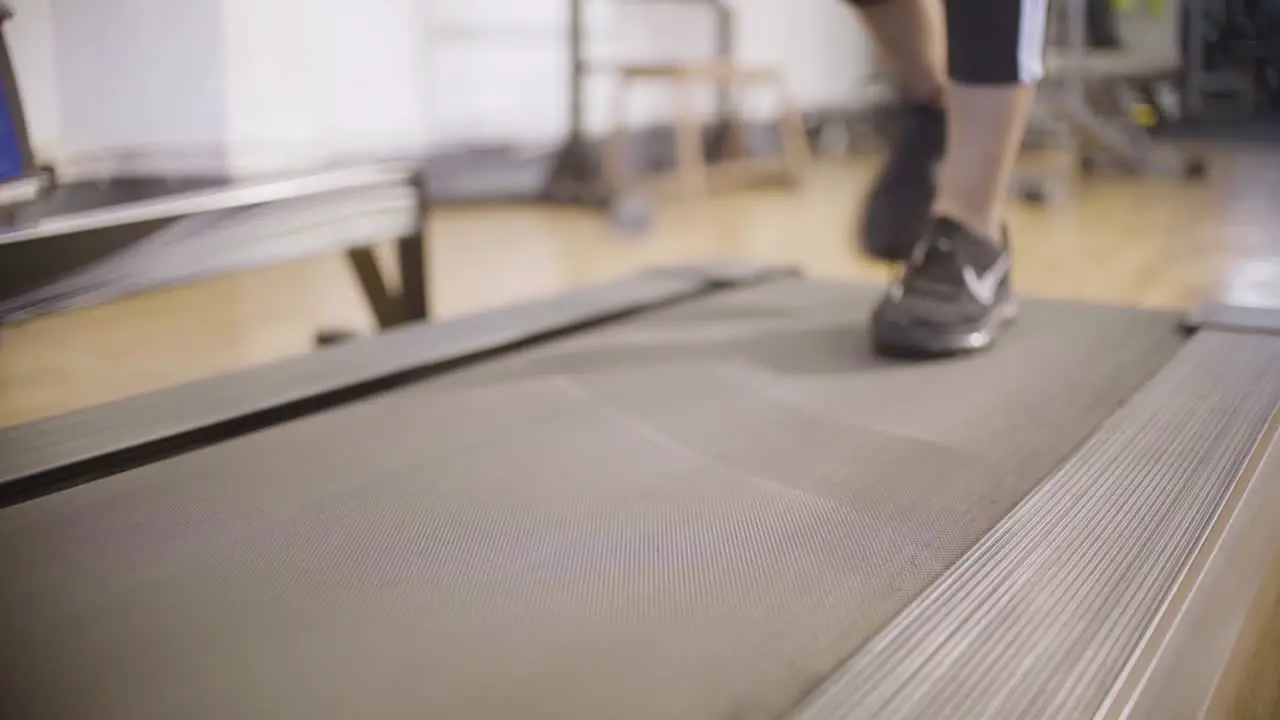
[1150, 243]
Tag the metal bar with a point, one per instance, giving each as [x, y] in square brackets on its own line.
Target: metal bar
[415, 260]
[1044, 614]
[386, 307]
[1193, 75]
[18, 117]
[46, 455]
[1234, 318]
[1188, 657]
[723, 44]
[411, 303]
[725, 53]
[1077, 38]
[412, 255]
[577, 69]
[211, 199]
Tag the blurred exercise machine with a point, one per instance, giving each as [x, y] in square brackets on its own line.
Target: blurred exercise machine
[21, 178]
[578, 173]
[1232, 59]
[74, 244]
[1109, 75]
[86, 243]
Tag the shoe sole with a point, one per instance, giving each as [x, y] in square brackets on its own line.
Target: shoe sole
[883, 251]
[907, 341]
[878, 255]
[881, 229]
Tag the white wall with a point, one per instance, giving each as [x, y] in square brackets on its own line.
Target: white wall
[348, 78]
[497, 70]
[500, 67]
[30, 37]
[140, 80]
[262, 85]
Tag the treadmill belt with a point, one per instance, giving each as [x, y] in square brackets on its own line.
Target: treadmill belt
[698, 512]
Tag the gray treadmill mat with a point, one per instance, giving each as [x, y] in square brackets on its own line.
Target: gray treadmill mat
[695, 513]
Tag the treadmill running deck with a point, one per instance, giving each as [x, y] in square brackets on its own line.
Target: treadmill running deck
[698, 512]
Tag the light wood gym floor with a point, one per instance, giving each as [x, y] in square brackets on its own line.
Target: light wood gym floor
[1161, 242]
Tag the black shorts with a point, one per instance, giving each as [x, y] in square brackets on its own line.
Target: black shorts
[993, 42]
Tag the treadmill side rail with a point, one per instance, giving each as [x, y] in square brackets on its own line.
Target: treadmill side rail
[126, 240]
[1234, 318]
[1044, 616]
[1199, 659]
[47, 455]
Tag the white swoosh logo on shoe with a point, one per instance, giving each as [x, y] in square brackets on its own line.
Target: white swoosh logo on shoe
[986, 287]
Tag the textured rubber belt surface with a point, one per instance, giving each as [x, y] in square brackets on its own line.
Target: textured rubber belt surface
[43, 447]
[1041, 617]
[698, 513]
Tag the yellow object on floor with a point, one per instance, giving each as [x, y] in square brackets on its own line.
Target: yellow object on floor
[1145, 114]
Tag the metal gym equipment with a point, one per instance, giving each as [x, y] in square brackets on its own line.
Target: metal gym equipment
[1091, 93]
[84, 243]
[1232, 50]
[691, 494]
[88, 243]
[21, 177]
[577, 176]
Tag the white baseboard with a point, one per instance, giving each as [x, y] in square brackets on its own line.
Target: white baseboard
[19, 191]
[219, 162]
[140, 162]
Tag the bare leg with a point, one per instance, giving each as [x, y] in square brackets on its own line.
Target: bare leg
[911, 34]
[995, 58]
[954, 294]
[985, 125]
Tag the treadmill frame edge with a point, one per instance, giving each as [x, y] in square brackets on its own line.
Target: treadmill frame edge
[1225, 317]
[98, 441]
[44, 456]
[1194, 651]
[1236, 544]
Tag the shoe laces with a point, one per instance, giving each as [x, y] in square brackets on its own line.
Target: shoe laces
[933, 269]
[936, 265]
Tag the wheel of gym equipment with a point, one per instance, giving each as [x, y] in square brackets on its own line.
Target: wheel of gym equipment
[1036, 196]
[632, 213]
[1049, 192]
[1196, 168]
[328, 337]
[48, 177]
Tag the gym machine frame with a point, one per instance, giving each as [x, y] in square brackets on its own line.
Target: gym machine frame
[33, 178]
[1231, 83]
[1086, 91]
[233, 227]
[34, 213]
[577, 176]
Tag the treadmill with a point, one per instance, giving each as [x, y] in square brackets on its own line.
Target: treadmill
[692, 493]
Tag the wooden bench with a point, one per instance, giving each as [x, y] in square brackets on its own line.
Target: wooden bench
[693, 174]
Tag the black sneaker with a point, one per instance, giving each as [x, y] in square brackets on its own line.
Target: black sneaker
[896, 212]
[953, 297]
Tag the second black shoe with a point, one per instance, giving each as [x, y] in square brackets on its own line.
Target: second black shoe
[896, 211]
[953, 297]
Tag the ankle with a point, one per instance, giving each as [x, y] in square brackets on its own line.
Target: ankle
[925, 95]
[980, 224]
